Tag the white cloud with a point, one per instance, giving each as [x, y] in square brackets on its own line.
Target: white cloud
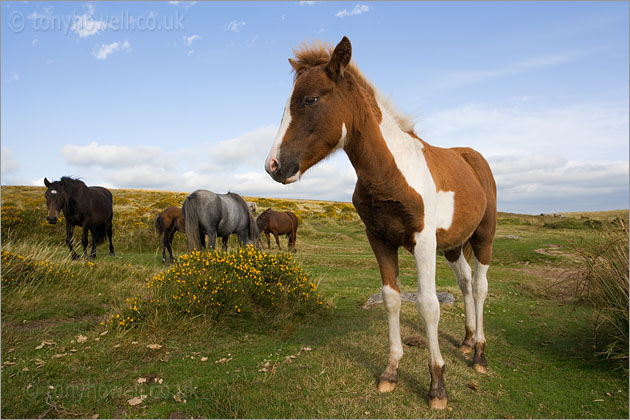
[35, 41]
[190, 39]
[357, 10]
[109, 155]
[249, 149]
[105, 50]
[234, 25]
[458, 79]
[307, 3]
[184, 4]
[581, 132]
[543, 183]
[85, 25]
[9, 162]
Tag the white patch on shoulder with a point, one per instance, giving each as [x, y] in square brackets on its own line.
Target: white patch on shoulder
[53, 191]
[409, 158]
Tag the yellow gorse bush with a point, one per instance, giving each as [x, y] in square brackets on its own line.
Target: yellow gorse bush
[215, 283]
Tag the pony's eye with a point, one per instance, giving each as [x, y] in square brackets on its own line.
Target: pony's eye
[310, 100]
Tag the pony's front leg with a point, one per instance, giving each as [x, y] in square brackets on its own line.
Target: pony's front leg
[224, 243]
[93, 251]
[70, 240]
[84, 240]
[387, 258]
[429, 310]
[275, 235]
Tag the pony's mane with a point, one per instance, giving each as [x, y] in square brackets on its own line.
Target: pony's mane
[66, 180]
[262, 219]
[317, 53]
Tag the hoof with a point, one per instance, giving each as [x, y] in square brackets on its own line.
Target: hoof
[111, 254]
[480, 368]
[386, 386]
[465, 349]
[437, 403]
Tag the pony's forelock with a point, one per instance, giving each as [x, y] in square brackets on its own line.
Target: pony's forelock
[317, 53]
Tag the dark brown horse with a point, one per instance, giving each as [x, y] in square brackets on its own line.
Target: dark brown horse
[278, 223]
[409, 194]
[88, 207]
[168, 222]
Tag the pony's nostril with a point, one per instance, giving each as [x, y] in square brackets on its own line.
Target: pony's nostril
[274, 165]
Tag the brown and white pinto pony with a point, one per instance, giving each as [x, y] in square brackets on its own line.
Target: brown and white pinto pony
[168, 222]
[408, 194]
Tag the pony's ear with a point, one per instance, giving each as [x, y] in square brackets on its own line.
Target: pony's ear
[46, 182]
[340, 59]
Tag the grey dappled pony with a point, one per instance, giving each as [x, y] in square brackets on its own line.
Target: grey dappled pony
[207, 213]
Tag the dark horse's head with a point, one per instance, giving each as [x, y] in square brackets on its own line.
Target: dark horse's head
[56, 199]
[317, 115]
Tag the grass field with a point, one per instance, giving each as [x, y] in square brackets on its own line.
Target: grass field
[58, 360]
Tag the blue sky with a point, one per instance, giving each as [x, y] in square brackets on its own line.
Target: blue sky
[185, 95]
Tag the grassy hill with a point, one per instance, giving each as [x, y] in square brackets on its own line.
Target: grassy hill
[59, 358]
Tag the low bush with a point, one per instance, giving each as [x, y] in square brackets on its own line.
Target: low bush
[18, 270]
[215, 284]
[603, 281]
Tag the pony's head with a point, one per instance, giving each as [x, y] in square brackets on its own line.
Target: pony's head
[316, 116]
[56, 199]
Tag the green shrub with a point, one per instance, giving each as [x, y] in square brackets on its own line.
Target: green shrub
[603, 281]
[213, 284]
[18, 270]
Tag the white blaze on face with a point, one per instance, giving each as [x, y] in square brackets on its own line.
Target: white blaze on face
[53, 191]
[274, 153]
[407, 152]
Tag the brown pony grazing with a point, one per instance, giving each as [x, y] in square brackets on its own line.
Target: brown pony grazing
[278, 223]
[88, 207]
[167, 223]
[409, 194]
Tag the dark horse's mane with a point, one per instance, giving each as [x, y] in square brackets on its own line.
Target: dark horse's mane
[67, 181]
[263, 219]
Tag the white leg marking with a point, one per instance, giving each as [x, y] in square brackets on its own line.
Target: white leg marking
[391, 299]
[463, 275]
[480, 291]
[427, 301]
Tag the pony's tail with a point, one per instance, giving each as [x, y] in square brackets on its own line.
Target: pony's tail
[467, 250]
[98, 234]
[159, 224]
[191, 221]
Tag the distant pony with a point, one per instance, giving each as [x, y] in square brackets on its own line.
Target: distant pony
[278, 223]
[207, 213]
[88, 207]
[168, 222]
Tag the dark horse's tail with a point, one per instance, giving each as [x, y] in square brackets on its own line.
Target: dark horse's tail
[159, 224]
[191, 220]
[98, 233]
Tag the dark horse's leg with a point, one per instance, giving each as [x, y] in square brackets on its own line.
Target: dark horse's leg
[84, 240]
[268, 240]
[224, 242]
[109, 235]
[164, 246]
[69, 240]
[93, 252]
[275, 235]
[169, 243]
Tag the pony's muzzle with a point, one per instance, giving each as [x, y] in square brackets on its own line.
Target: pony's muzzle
[51, 220]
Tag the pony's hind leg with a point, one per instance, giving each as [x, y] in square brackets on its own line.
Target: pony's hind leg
[481, 242]
[463, 275]
[169, 244]
[387, 258]
[224, 243]
[109, 235]
[275, 235]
